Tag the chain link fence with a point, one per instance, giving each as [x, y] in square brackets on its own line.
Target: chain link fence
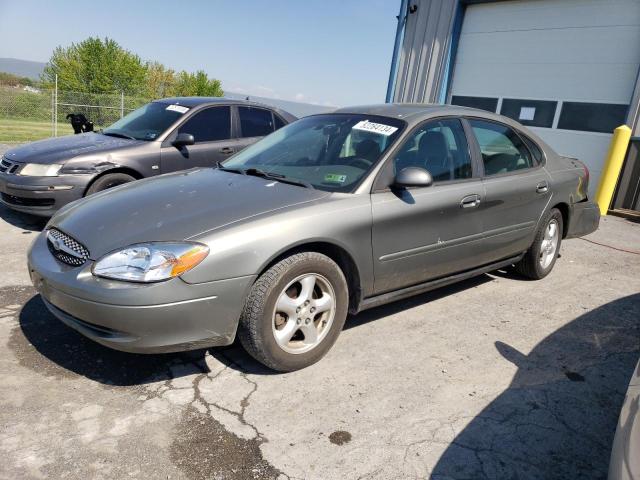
[28, 114]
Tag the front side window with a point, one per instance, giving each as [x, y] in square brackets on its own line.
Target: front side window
[255, 122]
[332, 152]
[147, 122]
[440, 147]
[210, 125]
[502, 149]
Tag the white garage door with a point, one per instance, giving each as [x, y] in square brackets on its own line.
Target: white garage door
[566, 68]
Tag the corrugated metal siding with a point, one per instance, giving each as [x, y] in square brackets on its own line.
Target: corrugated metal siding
[425, 47]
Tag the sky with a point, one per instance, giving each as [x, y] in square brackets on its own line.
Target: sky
[328, 52]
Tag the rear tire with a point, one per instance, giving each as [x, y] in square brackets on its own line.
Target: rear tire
[543, 253]
[295, 312]
[107, 181]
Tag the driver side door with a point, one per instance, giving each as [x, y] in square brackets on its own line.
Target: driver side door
[423, 233]
[214, 142]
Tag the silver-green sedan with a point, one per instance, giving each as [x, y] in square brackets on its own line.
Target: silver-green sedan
[334, 213]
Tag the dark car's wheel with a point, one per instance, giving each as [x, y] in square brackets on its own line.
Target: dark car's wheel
[109, 180]
[295, 312]
[541, 257]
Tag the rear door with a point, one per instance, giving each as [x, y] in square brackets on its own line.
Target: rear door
[214, 142]
[424, 233]
[517, 188]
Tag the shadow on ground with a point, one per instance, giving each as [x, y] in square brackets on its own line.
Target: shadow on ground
[44, 344]
[55, 349]
[558, 417]
[28, 223]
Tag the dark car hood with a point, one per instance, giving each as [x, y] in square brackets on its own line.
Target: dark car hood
[173, 207]
[55, 150]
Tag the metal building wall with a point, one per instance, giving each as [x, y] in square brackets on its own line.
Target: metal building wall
[425, 48]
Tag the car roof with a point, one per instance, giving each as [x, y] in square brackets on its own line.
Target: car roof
[192, 102]
[416, 112]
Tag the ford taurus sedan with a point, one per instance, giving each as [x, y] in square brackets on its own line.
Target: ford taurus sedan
[162, 136]
[334, 213]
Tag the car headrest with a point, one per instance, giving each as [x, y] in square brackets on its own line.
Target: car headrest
[367, 149]
[433, 145]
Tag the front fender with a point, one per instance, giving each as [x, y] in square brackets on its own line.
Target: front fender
[248, 247]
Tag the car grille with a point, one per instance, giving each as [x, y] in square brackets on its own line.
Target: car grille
[66, 249]
[8, 167]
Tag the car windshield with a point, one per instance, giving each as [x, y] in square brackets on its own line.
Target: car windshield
[331, 152]
[146, 123]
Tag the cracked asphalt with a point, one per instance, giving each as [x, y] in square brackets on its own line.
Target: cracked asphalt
[496, 377]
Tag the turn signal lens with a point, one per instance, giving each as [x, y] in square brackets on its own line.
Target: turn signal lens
[189, 260]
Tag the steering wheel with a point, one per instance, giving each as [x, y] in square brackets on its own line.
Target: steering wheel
[361, 163]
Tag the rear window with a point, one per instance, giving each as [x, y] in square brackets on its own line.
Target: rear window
[255, 122]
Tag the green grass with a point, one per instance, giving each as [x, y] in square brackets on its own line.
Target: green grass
[13, 130]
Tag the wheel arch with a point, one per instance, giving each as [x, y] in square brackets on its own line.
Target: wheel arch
[564, 210]
[335, 252]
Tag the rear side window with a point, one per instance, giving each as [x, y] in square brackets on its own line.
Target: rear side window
[440, 147]
[279, 123]
[209, 125]
[255, 122]
[502, 149]
[534, 149]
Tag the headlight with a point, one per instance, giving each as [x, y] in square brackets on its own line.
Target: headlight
[40, 170]
[151, 262]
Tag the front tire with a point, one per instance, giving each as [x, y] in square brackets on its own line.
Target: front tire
[543, 253]
[295, 312]
[107, 181]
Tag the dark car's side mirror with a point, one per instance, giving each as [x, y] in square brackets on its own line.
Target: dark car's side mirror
[412, 177]
[183, 139]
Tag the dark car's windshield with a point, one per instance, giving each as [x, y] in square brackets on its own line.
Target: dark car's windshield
[331, 152]
[147, 122]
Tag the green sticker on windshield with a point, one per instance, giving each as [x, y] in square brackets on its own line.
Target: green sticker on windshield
[335, 178]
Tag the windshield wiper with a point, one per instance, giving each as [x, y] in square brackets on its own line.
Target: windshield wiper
[119, 135]
[278, 177]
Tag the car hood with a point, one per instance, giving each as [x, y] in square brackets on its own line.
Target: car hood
[55, 150]
[173, 207]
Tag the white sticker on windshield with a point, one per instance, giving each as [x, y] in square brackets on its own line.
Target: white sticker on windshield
[380, 128]
[177, 108]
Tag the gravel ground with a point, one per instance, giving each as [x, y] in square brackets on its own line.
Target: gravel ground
[496, 377]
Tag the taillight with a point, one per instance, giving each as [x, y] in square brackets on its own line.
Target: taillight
[586, 174]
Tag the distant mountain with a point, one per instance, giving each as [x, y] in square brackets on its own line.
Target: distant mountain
[22, 68]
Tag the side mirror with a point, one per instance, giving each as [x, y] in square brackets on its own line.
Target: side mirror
[183, 139]
[412, 177]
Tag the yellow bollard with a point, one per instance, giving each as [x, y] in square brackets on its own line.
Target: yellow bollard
[612, 167]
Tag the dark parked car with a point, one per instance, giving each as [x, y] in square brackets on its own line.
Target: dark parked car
[162, 136]
[333, 213]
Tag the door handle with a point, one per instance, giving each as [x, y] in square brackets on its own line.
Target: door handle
[470, 201]
[227, 150]
[542, 187]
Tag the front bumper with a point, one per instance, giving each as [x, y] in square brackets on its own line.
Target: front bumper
[159, 317]
[41, 195]
[584, 218]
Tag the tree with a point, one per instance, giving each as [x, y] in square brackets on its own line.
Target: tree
[198, 84]
[96, 66]
[160, 81]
